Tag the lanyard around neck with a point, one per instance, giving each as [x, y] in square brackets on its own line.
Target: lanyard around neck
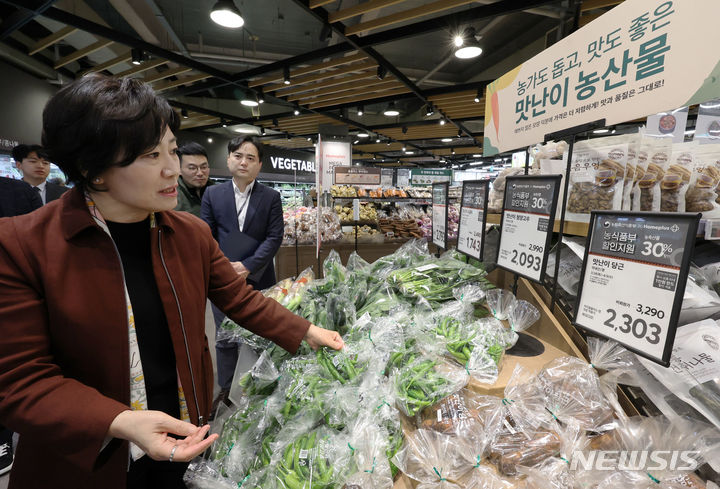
[246, 201]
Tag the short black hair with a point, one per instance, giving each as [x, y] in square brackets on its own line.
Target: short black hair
[235, 143]
[191, 148]
[21, 151]
[97, 122]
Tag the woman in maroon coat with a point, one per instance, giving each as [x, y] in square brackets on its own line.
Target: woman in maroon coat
[105, 370]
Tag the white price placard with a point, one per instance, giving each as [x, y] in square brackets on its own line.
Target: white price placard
[439, 214]
[633, 279]
[471, 229]
[525, 232]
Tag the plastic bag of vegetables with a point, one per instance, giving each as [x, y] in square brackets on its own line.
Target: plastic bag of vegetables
[260, 380]
[293, 299]
[369, 467]
[431, 458]
[300, 388]
[424, 381]
[344, 366]
[279, 290]
[229, 330]
[434, 281]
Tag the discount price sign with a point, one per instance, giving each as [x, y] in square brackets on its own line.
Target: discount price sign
[527, 224]
[440, 214]
[633, 279]
[471, 229]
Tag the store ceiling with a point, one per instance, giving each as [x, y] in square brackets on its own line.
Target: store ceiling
[332, 49]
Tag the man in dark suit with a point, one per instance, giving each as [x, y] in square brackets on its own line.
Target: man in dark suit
[17, 197]
[246, 219]
[32, 161]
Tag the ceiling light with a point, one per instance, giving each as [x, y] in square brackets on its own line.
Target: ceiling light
[409, 152]
[690, 132]
[404, 129]
[360, 110]
[249, 101]
[403, 148]
[363, 135]
[137, 56]
[356, 141]
[467, 45]
[442, 122]
[309, 139]
[391, 111]
[377, 140]
[381, 72]
[297, 110]
[286, 75]
[477, 156]
[222, 121]
[460, 133]
[497, 160]
[245, 130]
[275, 122]
[262, 131]
[601, 131]
[209, 140]
[452, 151]
[184, 113]
[446, 140]
[429, 111]
[260, 96]
[478, 96]
[226, 14]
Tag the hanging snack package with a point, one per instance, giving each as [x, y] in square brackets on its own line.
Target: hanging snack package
[702, 194]
[659, 150]
[641, 164]
[630, 171]
[597, 176]
[674, 184]
[574, 393]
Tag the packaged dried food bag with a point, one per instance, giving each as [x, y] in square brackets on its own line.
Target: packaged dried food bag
[641, 164]
[574, 393]
[630, 171]
[694, 371]
[659, 151]
[597, 176]
[674, 184]
[702, 195]
[497, 193]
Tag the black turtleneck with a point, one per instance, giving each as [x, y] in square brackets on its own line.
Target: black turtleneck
[151, 326]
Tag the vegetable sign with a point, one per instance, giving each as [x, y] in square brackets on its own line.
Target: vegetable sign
[631, 62]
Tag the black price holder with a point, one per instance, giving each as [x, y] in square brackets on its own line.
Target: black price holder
[440, 193]
[527, 222]
[633, 278]
[471, 228]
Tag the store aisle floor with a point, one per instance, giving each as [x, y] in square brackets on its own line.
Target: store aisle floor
[209, 331]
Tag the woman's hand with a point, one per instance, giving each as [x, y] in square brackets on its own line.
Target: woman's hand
[150, 430]
[317, 337]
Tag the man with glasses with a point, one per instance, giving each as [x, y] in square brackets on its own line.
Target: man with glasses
[246, 219]
[194, 177]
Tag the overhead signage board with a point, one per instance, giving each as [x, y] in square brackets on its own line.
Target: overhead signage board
[386, 179]
[637, 59]
[425, 177]
[471, 228]
[526, 226]
[287, 161]
[633, 278]
[328, 155]
[357, 175]
[440, 193]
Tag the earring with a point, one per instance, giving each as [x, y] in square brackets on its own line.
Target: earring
[97, 180]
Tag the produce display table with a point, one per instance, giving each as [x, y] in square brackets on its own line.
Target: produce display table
[285, 264]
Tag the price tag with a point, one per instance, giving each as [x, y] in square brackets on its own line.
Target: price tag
[440, 214]
[471, 229]
[633, 279]
[527, 224]
[356, 209]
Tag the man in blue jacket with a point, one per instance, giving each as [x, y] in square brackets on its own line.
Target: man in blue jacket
[246, 219]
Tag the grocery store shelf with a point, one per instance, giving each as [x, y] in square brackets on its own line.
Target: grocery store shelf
[386, 199]
[571, 227]
[358, 223]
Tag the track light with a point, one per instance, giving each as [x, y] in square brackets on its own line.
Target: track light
[404, 129]
[460, 134]
[184, 113]
[226, 14]
[222, 121]
[452, 151]
[209, 140]
[404, 149]
[377, 141]
[325, 32]
[442, 122]
[260, 96]
[478, 96]
[360, 110]
[391, 110]
[446, 140]
[381, 72]
[262, 131]
[286, 75]
[467, 45]
[429, 111]
[275, 122]
[137, 56]
[297, 110]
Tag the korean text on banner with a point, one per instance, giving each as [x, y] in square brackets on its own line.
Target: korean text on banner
[640, 58]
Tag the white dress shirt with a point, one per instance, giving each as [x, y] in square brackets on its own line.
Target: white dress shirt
[43, 191]
[242, 202]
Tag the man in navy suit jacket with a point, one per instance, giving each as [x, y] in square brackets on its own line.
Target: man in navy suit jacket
[17, 197]
[246, 219]
[33, 162]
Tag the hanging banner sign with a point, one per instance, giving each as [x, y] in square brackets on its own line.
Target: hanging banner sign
[331, 154]
[633, 279]
[440, 193]
[357, 175]
[471, 228]
[639, 58]
[424, 177]
[527, 224]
